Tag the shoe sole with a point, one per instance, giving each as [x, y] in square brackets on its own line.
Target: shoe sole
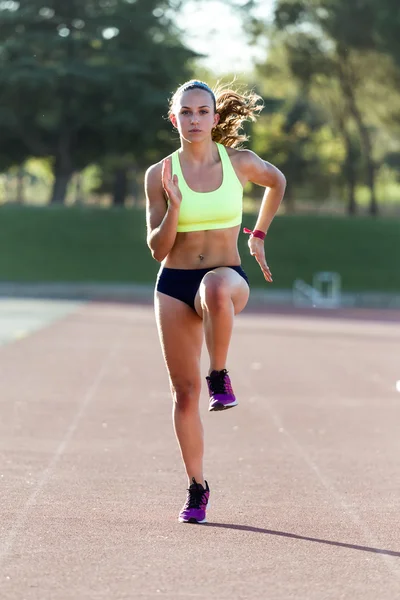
[193, 521]
[219, 406]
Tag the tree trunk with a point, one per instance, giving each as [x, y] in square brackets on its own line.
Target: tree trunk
[60, 187]
[289, 200]
[63, 168]
[351, 198]
[348, 91]
[120, 186]
[79, 199]
[20, 186]
[63, 172]
[350, 174]
[367, 147]
[349, 169]
[373, 202]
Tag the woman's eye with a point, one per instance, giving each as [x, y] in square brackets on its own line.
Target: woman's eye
[186, 112]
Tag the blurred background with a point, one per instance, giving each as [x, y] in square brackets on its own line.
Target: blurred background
[84, 88]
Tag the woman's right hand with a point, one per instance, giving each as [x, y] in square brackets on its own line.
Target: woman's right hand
[170, 184]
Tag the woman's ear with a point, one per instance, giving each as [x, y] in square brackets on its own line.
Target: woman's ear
[173, 120]
[217, 117]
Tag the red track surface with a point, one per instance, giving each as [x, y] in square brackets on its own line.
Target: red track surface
[304, 473]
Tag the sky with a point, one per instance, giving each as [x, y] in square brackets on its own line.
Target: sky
[210, 27]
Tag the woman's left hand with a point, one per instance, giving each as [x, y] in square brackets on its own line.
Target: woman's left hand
[257, 250]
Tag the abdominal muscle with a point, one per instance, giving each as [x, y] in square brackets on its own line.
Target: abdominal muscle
[204, 249]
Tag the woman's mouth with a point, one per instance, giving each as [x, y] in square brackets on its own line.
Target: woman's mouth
[194, 130]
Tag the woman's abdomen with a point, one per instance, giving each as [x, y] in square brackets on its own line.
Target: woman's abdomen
[203, 249]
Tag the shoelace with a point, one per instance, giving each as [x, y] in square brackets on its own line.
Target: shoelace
[219, 384]
[195, 498]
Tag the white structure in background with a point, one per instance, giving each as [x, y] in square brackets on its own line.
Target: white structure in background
[325, 291]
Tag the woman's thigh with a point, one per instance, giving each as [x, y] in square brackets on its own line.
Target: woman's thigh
[229, 283]
[181, 335]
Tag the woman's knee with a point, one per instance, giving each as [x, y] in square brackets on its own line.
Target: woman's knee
[215, 293]
[185, 394]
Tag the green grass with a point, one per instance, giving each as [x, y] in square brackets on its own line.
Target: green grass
[54, 244]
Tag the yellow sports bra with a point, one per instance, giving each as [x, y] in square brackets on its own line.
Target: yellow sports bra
[218, 209]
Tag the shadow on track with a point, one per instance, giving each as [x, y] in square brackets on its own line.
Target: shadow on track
[302, 537]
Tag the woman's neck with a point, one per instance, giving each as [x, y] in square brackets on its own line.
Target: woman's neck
[200, 153]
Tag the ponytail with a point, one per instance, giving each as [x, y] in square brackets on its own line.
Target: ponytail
[234, 110]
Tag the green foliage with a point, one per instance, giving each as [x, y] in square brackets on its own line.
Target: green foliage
[385, 27]
[83, 244]
[298, 136]
[334, 18]
[96, 73]
[327, 53]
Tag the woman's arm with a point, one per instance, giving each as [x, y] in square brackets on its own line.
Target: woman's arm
[161, 216]
[262, 173]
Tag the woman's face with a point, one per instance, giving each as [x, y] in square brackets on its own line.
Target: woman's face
[193, 115]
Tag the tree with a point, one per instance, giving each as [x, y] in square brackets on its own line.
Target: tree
[96, 73]
[291, 138]
[334, 37]
[385, 28]
[316, 67]
[328, 37]
[302, 137]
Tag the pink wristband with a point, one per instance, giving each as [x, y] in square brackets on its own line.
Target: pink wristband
[256, 233]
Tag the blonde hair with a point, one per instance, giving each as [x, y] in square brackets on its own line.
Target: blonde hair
[233, 107]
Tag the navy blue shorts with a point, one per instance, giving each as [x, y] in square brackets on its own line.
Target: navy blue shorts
[184, 283]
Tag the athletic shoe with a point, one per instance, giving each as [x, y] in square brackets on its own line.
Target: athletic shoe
[194, 509]
[220, 390]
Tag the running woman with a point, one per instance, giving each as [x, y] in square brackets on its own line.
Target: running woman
[194, 211]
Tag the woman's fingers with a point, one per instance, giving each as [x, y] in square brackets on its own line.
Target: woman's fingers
[163, 172]
[268, 276]
[266, 270]
[264, 267]
[168, 168]
[169, 181]
[166, 172]
[267, 273]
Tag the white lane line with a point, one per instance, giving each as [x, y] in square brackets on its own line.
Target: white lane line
[7, 543]
[332, 491]
[352, 514]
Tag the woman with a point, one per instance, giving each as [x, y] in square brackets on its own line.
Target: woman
[194, 211]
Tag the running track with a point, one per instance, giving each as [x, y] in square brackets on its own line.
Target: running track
[304, 473]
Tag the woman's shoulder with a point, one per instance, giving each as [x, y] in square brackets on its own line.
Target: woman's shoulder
[242, 157]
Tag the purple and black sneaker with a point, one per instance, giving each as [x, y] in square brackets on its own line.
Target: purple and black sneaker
[220, 390]
[194, 509]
